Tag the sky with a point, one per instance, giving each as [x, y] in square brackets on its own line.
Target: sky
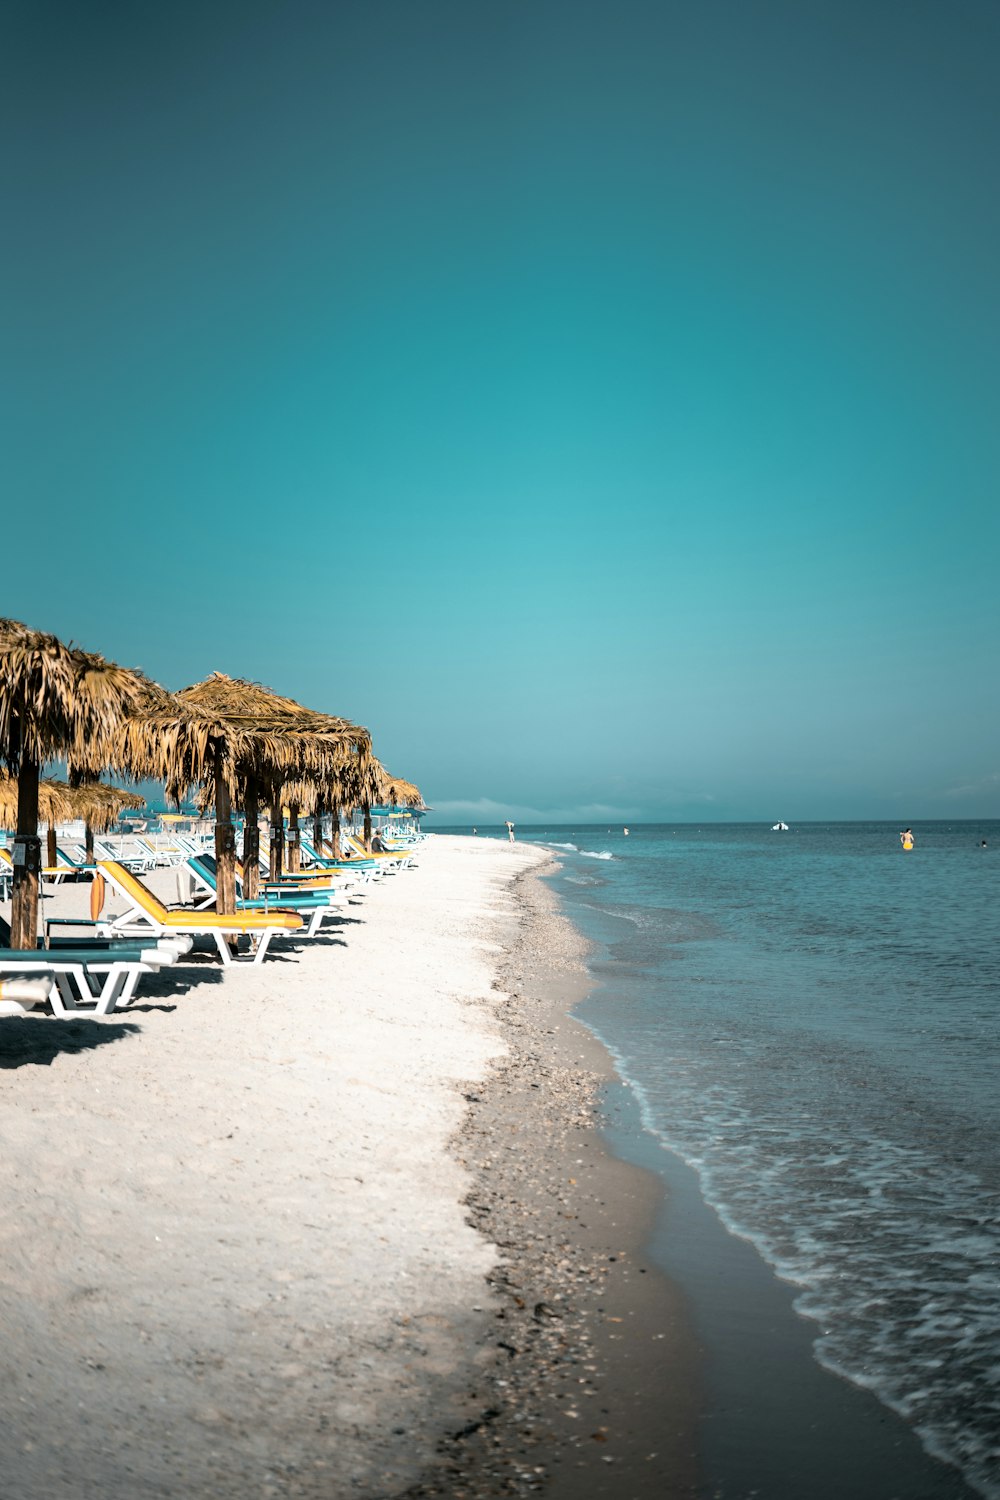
[598, 401]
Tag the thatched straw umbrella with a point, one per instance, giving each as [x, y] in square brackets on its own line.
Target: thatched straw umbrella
[395, 794]
[55, 701]
[52, 805]
[399, 793]
[99, 805]
[359, 784]
[259, 739]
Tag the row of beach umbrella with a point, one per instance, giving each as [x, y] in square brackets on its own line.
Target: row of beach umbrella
[242, 745]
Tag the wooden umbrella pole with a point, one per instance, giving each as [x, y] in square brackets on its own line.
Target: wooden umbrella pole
[277, 837]
[335, 831]
[318, 814]
[225, 841]
[88, 843]
[368, 829]
[52, 850]
[27, 857]
[294, 845]
[251, 839]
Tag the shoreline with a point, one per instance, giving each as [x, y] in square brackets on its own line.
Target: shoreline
[589, 1373]
[378, 1219]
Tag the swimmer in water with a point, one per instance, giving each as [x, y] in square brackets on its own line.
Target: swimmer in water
[906, 838]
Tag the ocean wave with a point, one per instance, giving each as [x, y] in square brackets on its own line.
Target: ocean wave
[595, 854]
[896, 1266]
[563, 846]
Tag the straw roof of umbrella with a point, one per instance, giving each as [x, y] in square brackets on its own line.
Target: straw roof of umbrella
[264, 734]
[99, 804]
[57, 700]
[399, 793]
[54, 801]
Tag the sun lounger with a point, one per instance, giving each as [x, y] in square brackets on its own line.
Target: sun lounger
[163, 855]
[137, 860]
[389, 862]
[73, 864]
[362, 869]
[314, 904]
[18, 996]
[94, 979]
[325, 877]
[54, 873]
[145, 914]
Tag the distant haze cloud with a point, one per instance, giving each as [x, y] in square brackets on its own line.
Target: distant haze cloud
[486, 810]
[987, 783]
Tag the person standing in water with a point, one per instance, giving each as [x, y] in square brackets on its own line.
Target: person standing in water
[510, 831]
[906, 838]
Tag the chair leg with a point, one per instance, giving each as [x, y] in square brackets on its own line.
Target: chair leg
[222, 946]
[61, 996]
[118, 989]
[262, 947]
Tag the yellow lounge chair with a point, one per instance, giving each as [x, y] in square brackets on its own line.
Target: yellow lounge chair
[389, 862]
[55, 873]
[146, 914]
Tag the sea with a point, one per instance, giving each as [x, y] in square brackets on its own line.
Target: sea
[809, 1022]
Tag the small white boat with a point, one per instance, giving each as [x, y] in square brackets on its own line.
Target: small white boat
[779, 827]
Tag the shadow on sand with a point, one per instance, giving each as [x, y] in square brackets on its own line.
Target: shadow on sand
[170, 984]
[39, 1040]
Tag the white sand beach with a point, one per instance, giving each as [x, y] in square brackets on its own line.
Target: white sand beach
[234, 1257]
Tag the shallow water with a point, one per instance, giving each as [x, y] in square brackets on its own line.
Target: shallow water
[810, 1021]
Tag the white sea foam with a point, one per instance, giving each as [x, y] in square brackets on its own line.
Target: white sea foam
[596, 854]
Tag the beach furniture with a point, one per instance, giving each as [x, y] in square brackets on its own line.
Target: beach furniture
[18, 996]
[314, 904]
[89, 977]
[54, 873]
[391, 862]
[177, 943]
[162, 855]
[136, 860]
[74, 864]
[357, 866]
[321, 865]
[145, 914]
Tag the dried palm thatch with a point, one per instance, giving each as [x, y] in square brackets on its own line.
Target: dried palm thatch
[99, 805]
[399, 793]
[54, 802]
[55, 701]
[258, 739]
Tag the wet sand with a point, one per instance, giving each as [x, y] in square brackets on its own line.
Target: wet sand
[591, 1387]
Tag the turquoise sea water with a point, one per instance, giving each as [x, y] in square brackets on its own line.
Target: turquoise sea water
[811, 1020]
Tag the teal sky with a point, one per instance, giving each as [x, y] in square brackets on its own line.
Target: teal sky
[596, 400]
